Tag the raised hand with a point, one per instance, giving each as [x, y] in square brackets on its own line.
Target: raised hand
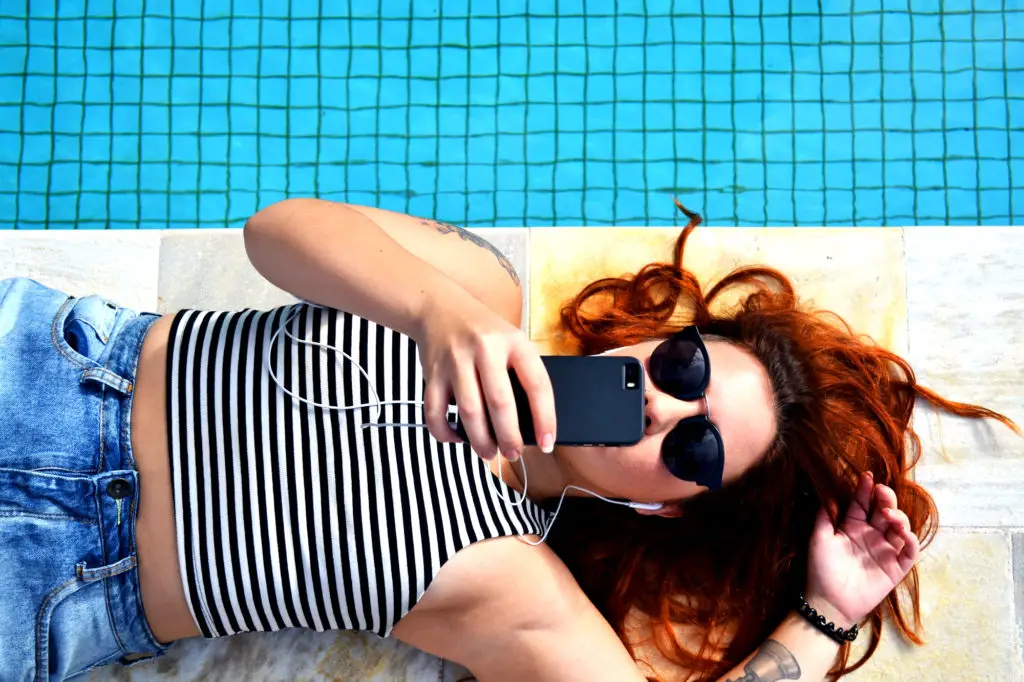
[851, 569]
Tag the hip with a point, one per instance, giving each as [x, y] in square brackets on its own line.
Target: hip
[69, 488]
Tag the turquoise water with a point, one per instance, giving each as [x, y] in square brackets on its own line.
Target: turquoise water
[177, 113]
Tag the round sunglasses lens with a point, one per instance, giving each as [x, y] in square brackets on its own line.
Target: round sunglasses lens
[678, 367]
[690, 451]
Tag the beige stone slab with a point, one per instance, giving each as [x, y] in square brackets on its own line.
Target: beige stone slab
[121, 266]
[210, 269]
[967, 610]
[857, 273]
[285, 655]
[965, 295]
[987, 493]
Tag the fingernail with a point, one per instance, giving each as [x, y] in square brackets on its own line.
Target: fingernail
[871, 475]
[547, 443]
[512, 455]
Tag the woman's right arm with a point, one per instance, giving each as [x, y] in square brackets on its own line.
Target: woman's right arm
[333, 255]
[465, 321]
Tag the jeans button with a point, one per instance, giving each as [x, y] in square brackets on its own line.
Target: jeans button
[119, 488]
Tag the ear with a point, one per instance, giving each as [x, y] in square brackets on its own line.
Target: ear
[669, 511]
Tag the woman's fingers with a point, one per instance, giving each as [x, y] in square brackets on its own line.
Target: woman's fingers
[897, 522]
[501, 407]
[893, 537]
[534, 378]
[911, 549]
[885, 498]
[435, 410]
[472, 411]
[862, 498]
[902, 538]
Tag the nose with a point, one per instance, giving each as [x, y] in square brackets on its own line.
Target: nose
[665, 411]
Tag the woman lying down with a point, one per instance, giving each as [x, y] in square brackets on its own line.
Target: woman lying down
[208, 473]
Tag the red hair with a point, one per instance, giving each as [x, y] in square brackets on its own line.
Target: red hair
[732, 563]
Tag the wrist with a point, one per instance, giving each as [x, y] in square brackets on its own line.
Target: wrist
[831, 612]
[826, 618]
[436, 294]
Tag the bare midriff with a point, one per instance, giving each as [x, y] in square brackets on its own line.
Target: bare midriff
[163, 596]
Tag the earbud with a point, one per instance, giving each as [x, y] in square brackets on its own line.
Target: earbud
[646, 506]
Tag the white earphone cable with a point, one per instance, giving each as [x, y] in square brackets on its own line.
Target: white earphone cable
[378, 404]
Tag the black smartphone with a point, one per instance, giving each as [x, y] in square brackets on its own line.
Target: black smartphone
[599, 400]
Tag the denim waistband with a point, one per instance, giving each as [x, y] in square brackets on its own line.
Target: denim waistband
[118, 475]
[119, 373]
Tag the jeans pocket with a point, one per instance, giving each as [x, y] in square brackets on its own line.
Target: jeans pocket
[73, 631]
[45, 667]
[83, 327]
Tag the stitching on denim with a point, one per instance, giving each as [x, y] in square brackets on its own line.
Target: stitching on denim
[106, 585]
[40, 636]
[55, 517]
[79, 476]
[110, 613]
[103, 436]
[46, 470]
[57, 337]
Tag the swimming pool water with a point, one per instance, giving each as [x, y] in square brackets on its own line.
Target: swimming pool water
[181, 113]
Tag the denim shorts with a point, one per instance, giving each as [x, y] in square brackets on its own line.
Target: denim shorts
[69, 583]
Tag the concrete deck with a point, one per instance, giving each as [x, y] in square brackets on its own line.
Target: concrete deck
[951, 299]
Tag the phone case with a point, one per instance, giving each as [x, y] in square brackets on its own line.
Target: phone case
[593, 405]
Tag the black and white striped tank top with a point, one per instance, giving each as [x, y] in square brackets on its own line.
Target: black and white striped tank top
[289, 515]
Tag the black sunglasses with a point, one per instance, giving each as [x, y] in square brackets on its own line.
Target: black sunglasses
[693, 449]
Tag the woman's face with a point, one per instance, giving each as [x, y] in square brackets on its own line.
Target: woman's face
[741, 402]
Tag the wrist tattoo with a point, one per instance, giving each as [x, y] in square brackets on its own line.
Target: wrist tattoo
[466, 235]
[771, 662]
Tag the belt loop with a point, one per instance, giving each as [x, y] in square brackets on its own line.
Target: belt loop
[93, 574]
[104, 376]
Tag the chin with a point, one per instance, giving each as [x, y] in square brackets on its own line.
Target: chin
[623, 465]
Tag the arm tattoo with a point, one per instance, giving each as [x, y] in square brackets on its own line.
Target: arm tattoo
[466, 235]
[771, 663]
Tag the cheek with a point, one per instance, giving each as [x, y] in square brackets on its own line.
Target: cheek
[637, 469]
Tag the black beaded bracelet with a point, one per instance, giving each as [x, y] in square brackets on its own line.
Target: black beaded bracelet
[829, 628]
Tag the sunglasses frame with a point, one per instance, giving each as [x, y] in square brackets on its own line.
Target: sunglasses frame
[692, 334]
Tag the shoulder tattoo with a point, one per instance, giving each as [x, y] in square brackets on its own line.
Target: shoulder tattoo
[466, 235]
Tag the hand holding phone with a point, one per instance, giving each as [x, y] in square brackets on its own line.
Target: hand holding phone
[598, 401]
[467, 350]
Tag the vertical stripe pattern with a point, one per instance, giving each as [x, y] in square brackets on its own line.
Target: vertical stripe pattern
[290, 515]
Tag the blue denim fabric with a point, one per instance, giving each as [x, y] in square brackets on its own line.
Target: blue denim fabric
[69, 587]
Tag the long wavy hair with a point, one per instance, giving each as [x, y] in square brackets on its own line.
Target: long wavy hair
[729, 567]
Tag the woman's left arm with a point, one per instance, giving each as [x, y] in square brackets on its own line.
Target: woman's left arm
[849, 572]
